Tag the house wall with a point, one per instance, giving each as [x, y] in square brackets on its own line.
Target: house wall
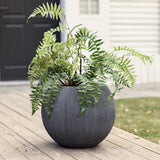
[132, 23]
[93, 22]
[136, 24]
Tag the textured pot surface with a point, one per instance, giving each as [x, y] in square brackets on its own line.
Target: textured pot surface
[87, 130]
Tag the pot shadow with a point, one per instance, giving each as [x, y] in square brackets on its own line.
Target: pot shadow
[53, 145]
[76, 153]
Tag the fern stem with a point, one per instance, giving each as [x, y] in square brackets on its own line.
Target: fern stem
[73, 29]
[61, 81]
[66, 21]
[79, 54]
[80, 70]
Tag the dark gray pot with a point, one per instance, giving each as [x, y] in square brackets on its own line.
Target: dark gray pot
[87, 130]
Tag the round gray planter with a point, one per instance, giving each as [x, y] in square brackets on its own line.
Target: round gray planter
[87, 130]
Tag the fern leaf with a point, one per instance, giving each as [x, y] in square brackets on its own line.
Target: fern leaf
[54, 11]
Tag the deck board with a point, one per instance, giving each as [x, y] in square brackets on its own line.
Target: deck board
[20, 144]
[9, 152]
[23, 136]
[137, 140]
[129, 146]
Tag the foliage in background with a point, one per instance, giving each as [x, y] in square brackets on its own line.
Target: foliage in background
[79, 61]
[139, 116]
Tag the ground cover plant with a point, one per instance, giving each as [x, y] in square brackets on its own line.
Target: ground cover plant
[139, 116]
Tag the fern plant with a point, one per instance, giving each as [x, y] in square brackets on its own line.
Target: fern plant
[79, 61]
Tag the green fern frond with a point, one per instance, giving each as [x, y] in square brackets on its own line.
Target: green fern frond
[128, 70]
[135, 53]
[123, 66]
[84, 35]
[48, 10]
[64, 63]
[45, 93]
[89, 93]
[113, 94]
[50, 92]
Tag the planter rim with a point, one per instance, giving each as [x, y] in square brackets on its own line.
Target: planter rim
[77, 86]
[70, 86]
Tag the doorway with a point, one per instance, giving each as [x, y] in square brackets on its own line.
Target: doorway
[19, 40]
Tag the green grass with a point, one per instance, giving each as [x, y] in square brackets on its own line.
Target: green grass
[140, 116]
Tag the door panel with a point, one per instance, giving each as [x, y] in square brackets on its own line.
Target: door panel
[15, 54]
[15, 6]
[19, 40]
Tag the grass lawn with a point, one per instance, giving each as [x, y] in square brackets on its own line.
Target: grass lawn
[140, 116]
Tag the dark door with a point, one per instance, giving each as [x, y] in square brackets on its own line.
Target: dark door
[18, 40]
